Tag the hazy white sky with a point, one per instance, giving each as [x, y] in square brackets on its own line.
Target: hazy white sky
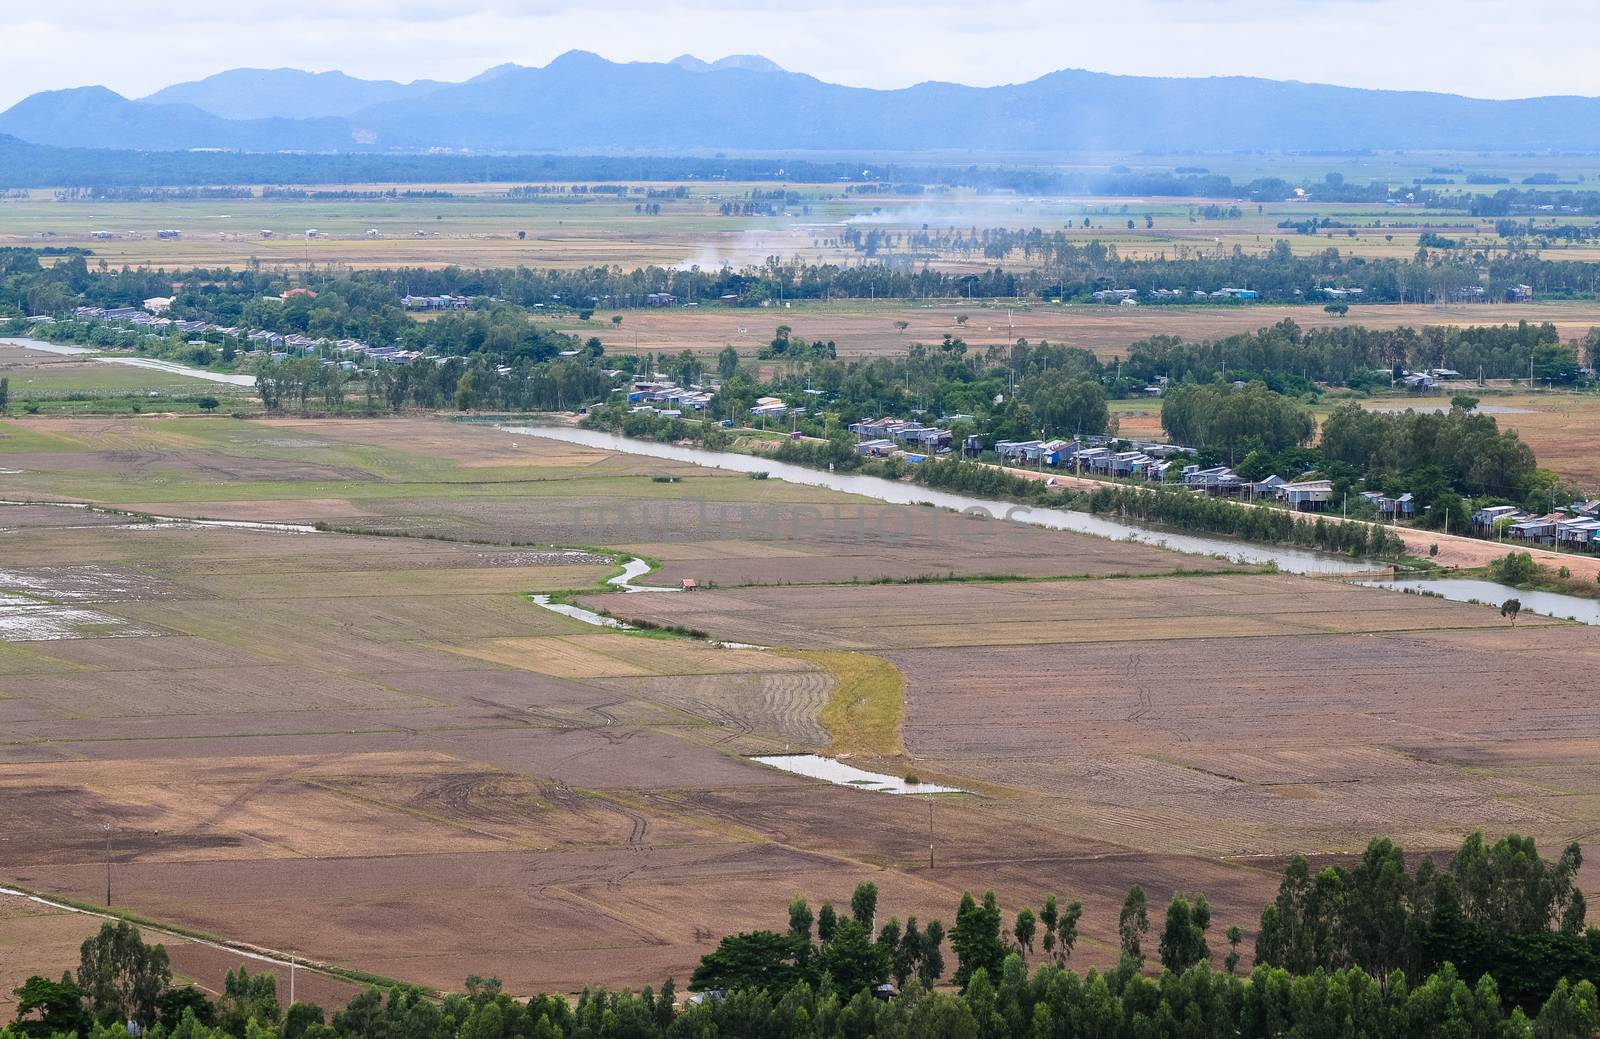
[1485, 48]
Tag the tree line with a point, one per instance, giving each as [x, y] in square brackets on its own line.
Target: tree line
[1492, 945]
[1290, 357]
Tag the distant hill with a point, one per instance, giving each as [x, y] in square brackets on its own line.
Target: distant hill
[94, 117]
[582, 102]
[286, 93]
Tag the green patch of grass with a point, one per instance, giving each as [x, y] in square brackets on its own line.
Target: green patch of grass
[865, 711]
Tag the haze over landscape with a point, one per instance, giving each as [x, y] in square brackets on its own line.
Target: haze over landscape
[882, 520]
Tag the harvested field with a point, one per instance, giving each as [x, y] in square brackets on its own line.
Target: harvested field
[867, 330]
[471, 784]
[1057, 612]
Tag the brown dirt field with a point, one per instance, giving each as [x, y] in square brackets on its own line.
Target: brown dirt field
[1352, 714]
[860, 329]
[40, 939]
[1560, 429]
[378, 752]
[1057, 612]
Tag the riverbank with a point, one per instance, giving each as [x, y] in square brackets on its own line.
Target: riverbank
[1289, 558]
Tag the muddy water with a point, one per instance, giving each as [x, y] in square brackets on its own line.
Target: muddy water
[154, 364]
[1490, 593]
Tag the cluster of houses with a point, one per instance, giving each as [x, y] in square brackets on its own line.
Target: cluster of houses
[150, 318]
[667, 398]
[1578, 526]
[435, 302]
[1108, 457]
[886, 437]
[278, 345]
[1128, 297]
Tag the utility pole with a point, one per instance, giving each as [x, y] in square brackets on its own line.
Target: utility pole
[108, 865]
[930, 831]
[291, 979]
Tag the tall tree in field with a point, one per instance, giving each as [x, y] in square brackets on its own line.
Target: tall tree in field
[853, 960]
[827, 923]
[1183, 939]
[1230, 962]
[976, 938]
[908, 954]
[728, 362]
[5, 394]
[121, 976]
[931, 966]
[800, 920]
[1133, 924]
[864, 904]
[1023, 929]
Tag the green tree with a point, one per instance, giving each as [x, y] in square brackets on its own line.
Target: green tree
[864, 904]
[976, 938]
[1023, 929]
[1183, 939]
[753, 959]
[57, 1004]
[930, 966]
[827, 923]
[1571, 1012]
[1230, 962]
[728, 362]
[208, 404]
[853, 960]
[5, 395]
[1070, 407]
[1510, 608]
[1133, 924]
[121, 976]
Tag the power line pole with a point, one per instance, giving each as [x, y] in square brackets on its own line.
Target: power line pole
[930, 831]
[108, 865]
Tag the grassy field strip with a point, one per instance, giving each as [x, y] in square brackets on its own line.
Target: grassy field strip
[868, 704]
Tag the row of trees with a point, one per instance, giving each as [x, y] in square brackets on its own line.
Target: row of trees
[1184, 510]
[476, 383]
[1234, 420]
[1337, 955]
[1496, 908]
[1475, 456]
[1358, 356]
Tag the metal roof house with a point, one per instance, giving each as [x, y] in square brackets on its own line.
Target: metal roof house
[1308, 496]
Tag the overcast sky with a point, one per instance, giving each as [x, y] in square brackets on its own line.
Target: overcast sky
[1484, 48]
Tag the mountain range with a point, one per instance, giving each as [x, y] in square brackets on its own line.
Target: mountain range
[582, 102]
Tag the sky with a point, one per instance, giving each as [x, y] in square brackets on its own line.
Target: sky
[1483, 48]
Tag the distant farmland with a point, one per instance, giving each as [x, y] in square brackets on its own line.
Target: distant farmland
[378, 713]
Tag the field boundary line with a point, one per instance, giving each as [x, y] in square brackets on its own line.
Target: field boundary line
[248, 950]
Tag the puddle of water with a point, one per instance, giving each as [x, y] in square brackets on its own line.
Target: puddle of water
[37, 622]
[830, 770]
[179, 521]
[1491, 593]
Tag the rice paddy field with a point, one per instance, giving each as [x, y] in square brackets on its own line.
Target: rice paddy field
[349, 731]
